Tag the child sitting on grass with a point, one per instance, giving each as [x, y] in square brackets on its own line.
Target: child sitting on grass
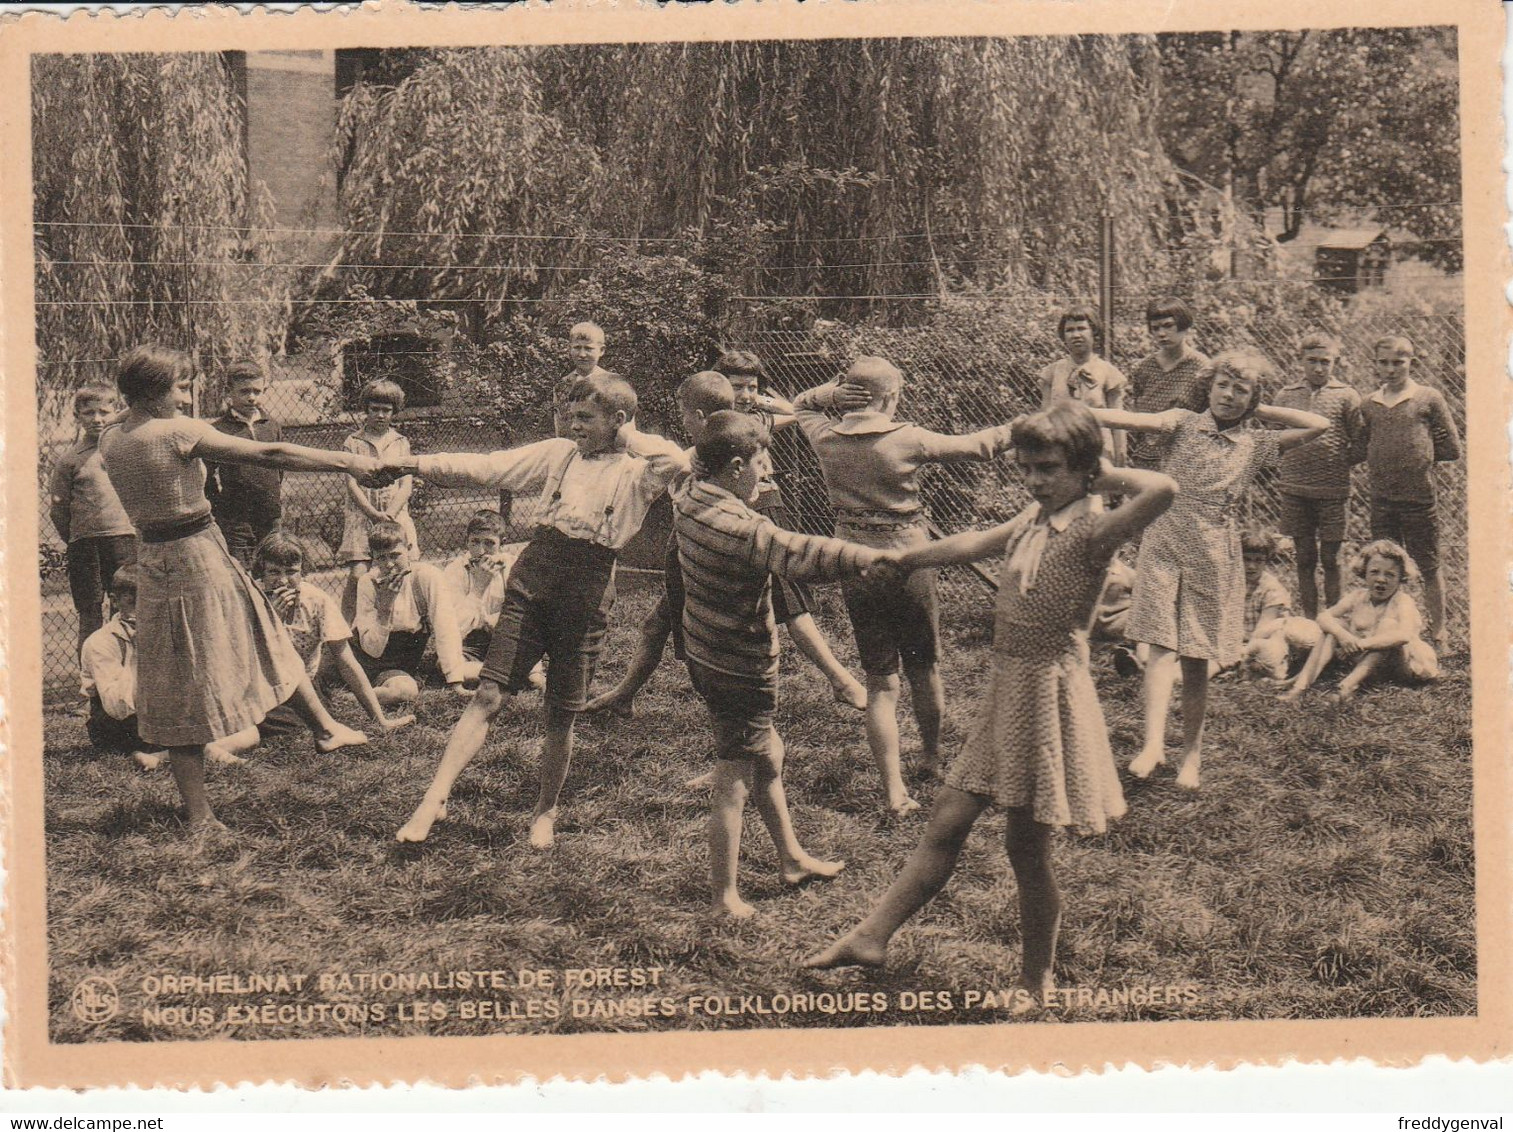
[320, 635]
[729, 554]
[699, 396]
[402, 606]
[1377, 627]
[595, 490]
[475, 580]
[1040, 747]
[108, 677]
[1274, 638]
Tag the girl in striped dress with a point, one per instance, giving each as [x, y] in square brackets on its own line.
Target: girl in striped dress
[1039, 748]
[213, 657]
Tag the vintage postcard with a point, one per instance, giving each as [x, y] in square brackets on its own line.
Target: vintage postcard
[614, 540]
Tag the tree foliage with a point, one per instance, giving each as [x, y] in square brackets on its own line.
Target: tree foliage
[145, 217]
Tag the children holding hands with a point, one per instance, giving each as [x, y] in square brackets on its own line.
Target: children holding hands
[381, 402]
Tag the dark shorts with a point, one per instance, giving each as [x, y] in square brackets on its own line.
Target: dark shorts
[556, 605]
[1413, 526]
[119, 736]
[740, 712]
[790, 599]
[282, 721]
[476, 644]
[1312, 520]
[893, 623]
[666, 618]
[405, 653]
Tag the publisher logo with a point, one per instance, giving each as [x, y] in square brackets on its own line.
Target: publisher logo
[96, 1000]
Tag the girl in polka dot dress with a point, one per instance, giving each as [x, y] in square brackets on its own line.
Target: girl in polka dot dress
[1039, 748]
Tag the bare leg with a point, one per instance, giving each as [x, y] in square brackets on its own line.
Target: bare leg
[1330, 556]
[1367, 667]
[228, 751]
[923, 875]
[1320, 656]
[188, 766]
[1308, 582]
[1029, 846]
[329, 735]
[1194, 710]
[401, 691]
[771, 801]
[811, 642]
[732, 782]
[928, 697]
[643, 662]
[1434, 605]
[882, 737]
[556, 755]
[349, 591]
[465, 741]
[1160, 680]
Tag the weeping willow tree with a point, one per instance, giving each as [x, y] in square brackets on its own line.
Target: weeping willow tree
[143, 206]
[844, 167]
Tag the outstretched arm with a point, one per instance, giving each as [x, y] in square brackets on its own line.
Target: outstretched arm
[1298, 426]
[957, 550]
[1146, 496]
[1162, 423]
[218, 446]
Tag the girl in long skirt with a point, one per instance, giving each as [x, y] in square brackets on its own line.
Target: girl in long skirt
[212, 655]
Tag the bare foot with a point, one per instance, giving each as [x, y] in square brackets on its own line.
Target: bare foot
[733, 906]
[1291, 696]
[147, 760]
[701, 782]
[1187, 777]
[222, 757]
[1342, 695]
[851, 695]
[418, 828]
[904, 808]
[850, 950]
[207, 829]
[395, 722]
[544, 830]
[339, 737]
[1148, 760]
[613, 703]
[537, 678]
[806, 869]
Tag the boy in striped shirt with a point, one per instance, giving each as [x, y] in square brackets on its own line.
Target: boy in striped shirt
[728, 554]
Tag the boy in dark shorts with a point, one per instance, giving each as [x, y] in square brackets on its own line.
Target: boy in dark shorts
[595, 487]
[871, 466]
[1315, 477]
[729, 554]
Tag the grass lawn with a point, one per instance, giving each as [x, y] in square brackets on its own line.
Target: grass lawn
[1325, 870]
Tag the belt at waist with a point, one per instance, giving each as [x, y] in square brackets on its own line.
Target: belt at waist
[551, 540]
[179, 528]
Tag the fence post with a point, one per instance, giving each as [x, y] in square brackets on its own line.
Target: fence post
[1106, 281]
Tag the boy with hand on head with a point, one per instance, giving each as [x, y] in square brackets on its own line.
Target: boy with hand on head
[1083, 375]
[871, 466]
[1315, 477]
[595, 488]
[700, 396]
[1406, 429]
[1174, 376]
[475, 580]
[585, 346]
[247, 501]
[729, 554]
[87, 512]
[108, 677]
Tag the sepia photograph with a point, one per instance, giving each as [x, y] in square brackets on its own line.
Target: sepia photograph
[753, 534]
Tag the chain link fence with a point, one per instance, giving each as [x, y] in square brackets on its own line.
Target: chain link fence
[962, 374]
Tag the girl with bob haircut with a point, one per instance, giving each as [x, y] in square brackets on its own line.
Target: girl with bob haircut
[1039, 748]
[212, 655]
[1189, 599]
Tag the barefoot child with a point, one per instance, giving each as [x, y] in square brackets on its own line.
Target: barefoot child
[1273, 636]
[475, 582]
[1376, 627]
[729, 554]
[871, 465]
[595, 489]
[792, 601]
[1040, 747]
[699, 396]
[1189, 599]
[212, 655]
[108, 677]
[403, 606]
[381, 402]
[321, 637]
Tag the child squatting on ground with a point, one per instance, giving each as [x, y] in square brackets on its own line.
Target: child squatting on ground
[595, 489]
[1039, 747]
[729, 554]
[1376, 628]
[321, 636]
[1274, 638]
[108, 677]
[381, 402]
[1189, 599]
[699, 397]
[871, 465]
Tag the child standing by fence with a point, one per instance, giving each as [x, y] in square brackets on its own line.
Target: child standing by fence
[1189, 599]
[595, 491]
[871, 466]
[381, 401]
[1040, 747]
[87, 513]
[1172, 377]
[247, 501]
[1406, 428]
[585, 346]
[1083, 375]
